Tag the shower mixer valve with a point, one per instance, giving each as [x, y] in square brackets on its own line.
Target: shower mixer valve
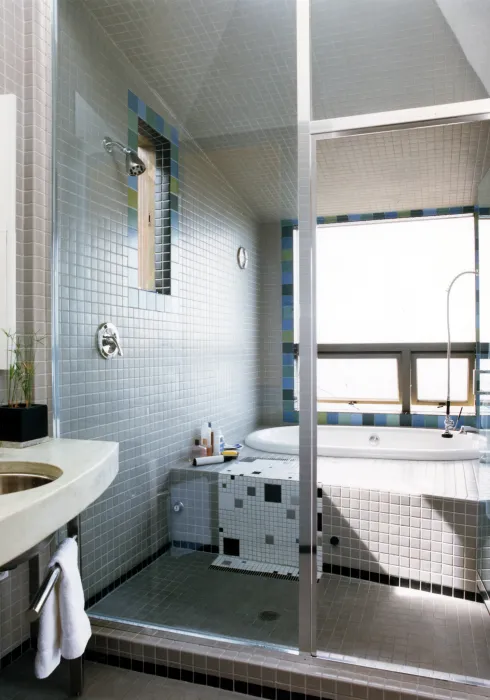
[108, 341]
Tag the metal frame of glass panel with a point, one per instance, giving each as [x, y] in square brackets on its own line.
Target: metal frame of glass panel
[309, 132]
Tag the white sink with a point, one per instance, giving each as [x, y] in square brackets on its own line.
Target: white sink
[44, 486]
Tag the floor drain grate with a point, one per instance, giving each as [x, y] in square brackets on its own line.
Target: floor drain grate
[269, 615]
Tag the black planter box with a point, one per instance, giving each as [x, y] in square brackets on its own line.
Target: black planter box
[23, 424]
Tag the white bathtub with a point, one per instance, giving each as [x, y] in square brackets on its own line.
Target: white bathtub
[371, 442]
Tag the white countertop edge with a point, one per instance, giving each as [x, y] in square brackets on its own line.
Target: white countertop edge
[28, 517]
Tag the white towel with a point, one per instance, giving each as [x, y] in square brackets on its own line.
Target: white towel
[64, 627]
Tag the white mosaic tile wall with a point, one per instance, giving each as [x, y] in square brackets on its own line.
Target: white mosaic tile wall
[25, 70]
[195, 361]
[425, 538]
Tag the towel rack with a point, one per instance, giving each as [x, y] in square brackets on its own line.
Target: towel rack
[49, 582]
[40, 597]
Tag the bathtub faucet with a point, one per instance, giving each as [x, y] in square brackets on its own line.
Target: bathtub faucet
[448, 421]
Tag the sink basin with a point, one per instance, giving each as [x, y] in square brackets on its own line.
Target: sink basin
[42, 487]
[22, 476]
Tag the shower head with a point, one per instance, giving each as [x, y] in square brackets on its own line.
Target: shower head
[134, 164]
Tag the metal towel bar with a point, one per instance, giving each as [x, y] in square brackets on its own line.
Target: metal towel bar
[40, 597]
[49, 582]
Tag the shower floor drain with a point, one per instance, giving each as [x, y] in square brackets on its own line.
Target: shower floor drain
[269, 615]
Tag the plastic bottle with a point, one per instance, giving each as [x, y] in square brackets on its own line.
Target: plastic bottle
[197, 450]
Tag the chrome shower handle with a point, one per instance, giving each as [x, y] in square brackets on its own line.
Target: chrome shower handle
[113, 337]
[108, 341]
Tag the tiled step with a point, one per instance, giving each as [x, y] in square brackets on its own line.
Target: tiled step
[268, 673]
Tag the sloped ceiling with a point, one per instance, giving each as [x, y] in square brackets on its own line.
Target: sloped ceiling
[227, 69]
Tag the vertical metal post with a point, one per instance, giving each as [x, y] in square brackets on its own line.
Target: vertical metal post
[476, 382]
[55, 234]
[34, 584]
[76, 665]
[307, 336]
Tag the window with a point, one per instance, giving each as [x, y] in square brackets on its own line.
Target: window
[381, 313]
[154, 236]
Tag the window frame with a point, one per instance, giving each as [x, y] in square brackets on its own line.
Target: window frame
[406, 355]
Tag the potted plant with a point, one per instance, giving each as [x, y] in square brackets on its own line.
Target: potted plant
[22, 420]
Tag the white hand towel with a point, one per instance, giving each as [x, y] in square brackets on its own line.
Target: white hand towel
[64, 627]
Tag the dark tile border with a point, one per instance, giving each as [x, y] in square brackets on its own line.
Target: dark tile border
[199, 678]
[390, 580]
[263, 574]
[15, 654]
[126, 576]
[196, 546]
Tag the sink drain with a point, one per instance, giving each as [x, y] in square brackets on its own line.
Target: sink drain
[269, 615]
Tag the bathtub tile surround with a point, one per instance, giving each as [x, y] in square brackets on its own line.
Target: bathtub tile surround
[180, 361]
[418, 541]
[140, 117]
[289, 381]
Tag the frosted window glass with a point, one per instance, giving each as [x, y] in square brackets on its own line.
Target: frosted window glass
[484, 244]
[386, 282]
[432, 379]
[357, 379]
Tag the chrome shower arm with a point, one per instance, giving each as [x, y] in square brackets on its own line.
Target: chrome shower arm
[109, 144]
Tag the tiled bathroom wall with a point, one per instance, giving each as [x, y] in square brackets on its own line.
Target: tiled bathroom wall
[25, 70]
[197, 359]
[270, 325]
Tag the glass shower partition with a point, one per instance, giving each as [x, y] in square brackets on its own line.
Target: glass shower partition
[482, 220]
[212, 551]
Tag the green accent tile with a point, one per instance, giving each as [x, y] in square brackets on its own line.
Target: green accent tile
[288, 371]
[132, 218]
[287, 290]
[286, 254]
[287, 313]
[344, 418]
[174, 186]
[392, 420]
[288, 347]
[151, 118]
[132, 198]
[442, 210]
[404, 214]
[133, 140]
[430, 421]
[288, 337]
[322, 419]
[174, 202]
[167, 132]
[174, 150]
[132, 120]
[330, 219]
[288, 405]
[287, 266]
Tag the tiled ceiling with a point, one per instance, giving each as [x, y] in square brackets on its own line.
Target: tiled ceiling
[226, 68]
[413, 169]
